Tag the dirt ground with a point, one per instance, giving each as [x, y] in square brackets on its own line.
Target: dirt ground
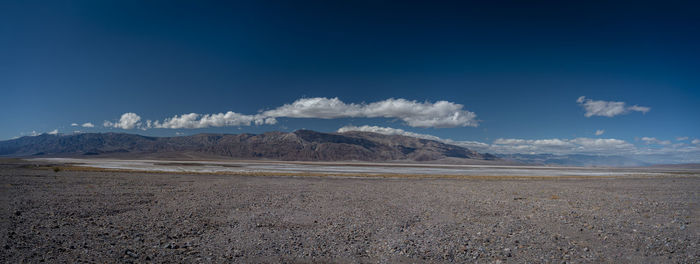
[86, 216]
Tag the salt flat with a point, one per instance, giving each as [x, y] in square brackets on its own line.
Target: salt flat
[334, 168]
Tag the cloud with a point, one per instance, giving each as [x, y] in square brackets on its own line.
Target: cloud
[194, 120]
[387, 131]
[127, 121]
[561, 146]
[414, 113]
[681, 138]
[53, 132]
[599, 132]
[651, 140]
[556, 146]
[30, 134]
[592, 146]
[673, 153]
[608, 108]
[88, 124]
[474, 145]
[637, 108]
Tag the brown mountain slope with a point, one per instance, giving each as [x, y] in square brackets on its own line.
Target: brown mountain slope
[301, 145]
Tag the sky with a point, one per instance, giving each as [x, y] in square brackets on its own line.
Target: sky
[606, 78]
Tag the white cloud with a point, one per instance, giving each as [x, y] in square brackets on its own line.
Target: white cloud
[602, 145]
[562, 146]
[651, 140]
[414, 113]
[53, 132]
[88, 124]
[594, 146]
[589, 146]
[127, 121]
[387, 131]
[599, 132]
[637, 108]
[194, 120]
[695, 141]
[608, 108]
[30, 134]
[681, 138]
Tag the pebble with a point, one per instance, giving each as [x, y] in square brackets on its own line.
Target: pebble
[182, 218]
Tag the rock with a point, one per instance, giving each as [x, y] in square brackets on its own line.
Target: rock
[132, 254]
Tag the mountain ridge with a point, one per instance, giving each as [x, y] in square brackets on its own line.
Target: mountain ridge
[300, 145]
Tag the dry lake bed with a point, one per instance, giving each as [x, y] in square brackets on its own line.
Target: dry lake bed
[173, 212]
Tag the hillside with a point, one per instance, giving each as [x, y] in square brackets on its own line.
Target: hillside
[301, 145]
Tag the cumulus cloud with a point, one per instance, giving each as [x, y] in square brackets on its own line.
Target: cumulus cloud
[561, 146]
[53, 132]
[88, 124]
[681, 138]
[194, 120]
[386, 131]
[599, 132]
[414, 113]
[695, 141]
[652, 140]
[608, 108]
[127, 121]
[661, 151]
[557, 146]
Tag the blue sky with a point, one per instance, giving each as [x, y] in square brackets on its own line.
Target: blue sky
[519, 68]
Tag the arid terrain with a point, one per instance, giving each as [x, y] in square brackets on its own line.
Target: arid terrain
[59, 214]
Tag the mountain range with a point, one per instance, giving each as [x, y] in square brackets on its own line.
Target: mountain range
[301, 145]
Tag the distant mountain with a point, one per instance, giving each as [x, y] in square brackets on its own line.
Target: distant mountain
[301, 145]
[573, 160]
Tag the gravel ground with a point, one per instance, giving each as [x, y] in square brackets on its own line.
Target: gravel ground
[80, 216]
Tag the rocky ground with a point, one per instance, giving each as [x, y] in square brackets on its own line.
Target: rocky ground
[80, 216]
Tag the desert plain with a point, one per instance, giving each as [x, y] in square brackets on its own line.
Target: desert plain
[58, 211]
